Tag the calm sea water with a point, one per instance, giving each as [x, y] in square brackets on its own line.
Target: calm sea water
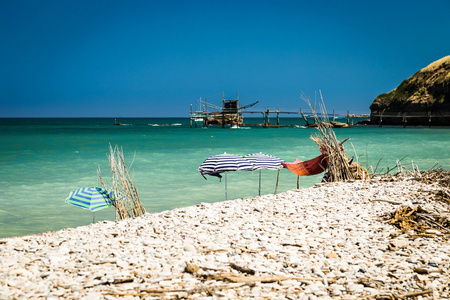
[42, 160]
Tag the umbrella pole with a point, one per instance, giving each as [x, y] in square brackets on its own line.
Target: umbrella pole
[298, 182]
[259, 191]
[226, 189]
[276, 186]
[93, 217]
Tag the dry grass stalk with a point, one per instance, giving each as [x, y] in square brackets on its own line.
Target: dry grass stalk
[339, 166]
[127, 202]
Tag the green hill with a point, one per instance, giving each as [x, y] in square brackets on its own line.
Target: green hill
[422, 99]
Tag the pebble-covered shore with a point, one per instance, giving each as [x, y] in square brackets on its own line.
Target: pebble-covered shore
[324, 242]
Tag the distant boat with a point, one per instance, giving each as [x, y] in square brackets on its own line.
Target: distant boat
[119, 124]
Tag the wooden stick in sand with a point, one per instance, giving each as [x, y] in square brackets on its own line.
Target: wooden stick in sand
[276, 186]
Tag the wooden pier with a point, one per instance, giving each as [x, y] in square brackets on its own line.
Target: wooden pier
[232, 114]
[410, 119]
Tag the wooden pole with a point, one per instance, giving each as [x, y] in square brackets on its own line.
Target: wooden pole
[278, 115]
[259, 190]
[278, 177]
[196, 110]
[304, 118]
[223, 114]
[226, 188]
[191, 115]
[205, 117]
[298, 182]
[265, 116]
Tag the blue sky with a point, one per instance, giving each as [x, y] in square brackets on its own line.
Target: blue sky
[130, 58]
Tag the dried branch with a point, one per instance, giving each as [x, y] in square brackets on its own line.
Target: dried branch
[340, 167]
[127, 201]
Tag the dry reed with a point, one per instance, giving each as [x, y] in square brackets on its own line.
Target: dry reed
[340, 167]
[127, 201]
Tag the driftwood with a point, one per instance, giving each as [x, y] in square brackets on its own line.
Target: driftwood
[387, 201]
[417, 221]
[292, 245]
[242, 269]
[375, 284]
[245, 275]
[415, 294]
[231, 277]
[421, 221]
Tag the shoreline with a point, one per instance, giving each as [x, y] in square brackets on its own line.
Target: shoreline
[328, 241]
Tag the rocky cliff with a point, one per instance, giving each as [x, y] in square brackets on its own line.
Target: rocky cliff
[422, 99]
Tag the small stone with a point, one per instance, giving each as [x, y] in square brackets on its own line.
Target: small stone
[398, 244]
[189, 248]
[191, 268]
[165, 283]
[355, 288]
[335, 292]
[371, 291]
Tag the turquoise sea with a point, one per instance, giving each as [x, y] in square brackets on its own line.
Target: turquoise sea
[42, 160]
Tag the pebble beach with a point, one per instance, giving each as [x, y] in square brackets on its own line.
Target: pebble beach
[330, 241]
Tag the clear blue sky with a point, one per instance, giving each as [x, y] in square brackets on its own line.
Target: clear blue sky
[109, 58]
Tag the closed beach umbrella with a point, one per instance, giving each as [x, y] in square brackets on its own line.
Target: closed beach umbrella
[223, 163]
[264, 161]
[92, 198]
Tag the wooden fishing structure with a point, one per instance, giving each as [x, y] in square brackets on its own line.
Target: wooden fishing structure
[231, 114]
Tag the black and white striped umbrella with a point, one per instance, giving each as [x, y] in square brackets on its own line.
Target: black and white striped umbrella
[223, 163]
[264, 161]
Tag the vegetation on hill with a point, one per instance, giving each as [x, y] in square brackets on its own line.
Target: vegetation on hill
[424, 98]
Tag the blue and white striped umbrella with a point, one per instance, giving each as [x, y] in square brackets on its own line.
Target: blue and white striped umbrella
[223, 163]
[264, 161]
[92, 198]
